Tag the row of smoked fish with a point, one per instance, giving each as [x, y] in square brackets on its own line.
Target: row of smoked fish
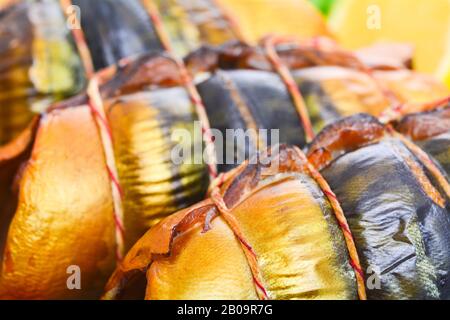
[354, 203]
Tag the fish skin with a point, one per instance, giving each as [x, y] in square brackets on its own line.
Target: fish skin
[64, 215]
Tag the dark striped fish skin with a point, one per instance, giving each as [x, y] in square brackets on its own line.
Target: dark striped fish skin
[117, 29]
[334, 83]
[334, 92]
[147, 115]
[250, 99]
[439, 148]
[399, 218]
[192, 23]
[38, 63]
[144, 125]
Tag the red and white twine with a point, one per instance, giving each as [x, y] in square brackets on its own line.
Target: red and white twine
[342, 222]
[287, 78]
[79, 39]
[194, 96]
[97, 109]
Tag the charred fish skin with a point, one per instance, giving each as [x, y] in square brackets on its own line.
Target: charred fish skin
[399, 218]
[39, 63]
[250, 100]
[117, 29]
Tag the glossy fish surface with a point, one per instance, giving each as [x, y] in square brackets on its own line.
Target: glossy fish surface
[38, 63]
[64, 211]
[64, 215]
[396, 209]
[144, 126]
[250, 100]
[117, 29]
[277, 211]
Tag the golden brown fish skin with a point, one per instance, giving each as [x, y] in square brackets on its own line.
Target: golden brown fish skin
[219, 270]
[214, 22]
[64, 216]
[12, 158]
[142, 120]
[15, 63]
[288, 226]
[295, 54]
[425, 125]
[186, 24]
[139, 146]
[331, 92]
[38, 63]
[262, 217]
[283, 216]
[154, 186]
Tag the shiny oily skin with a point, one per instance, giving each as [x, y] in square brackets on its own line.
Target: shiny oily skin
[412, 87]
[117, 29]
[154, 186]
[218, 271]
[439, 148]
[64, 216]
[250, 99]
[398, 229]
[36, 67]
[332, 92]
[300, 249]
[187, 27]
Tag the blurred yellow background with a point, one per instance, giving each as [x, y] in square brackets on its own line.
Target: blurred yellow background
[423, 23]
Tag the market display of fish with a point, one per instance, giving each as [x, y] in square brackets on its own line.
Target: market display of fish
[269, 232]
[64, 206]
[116, 29]
[334, 83]
[38, 63]
[374, 186]
[259, 166]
